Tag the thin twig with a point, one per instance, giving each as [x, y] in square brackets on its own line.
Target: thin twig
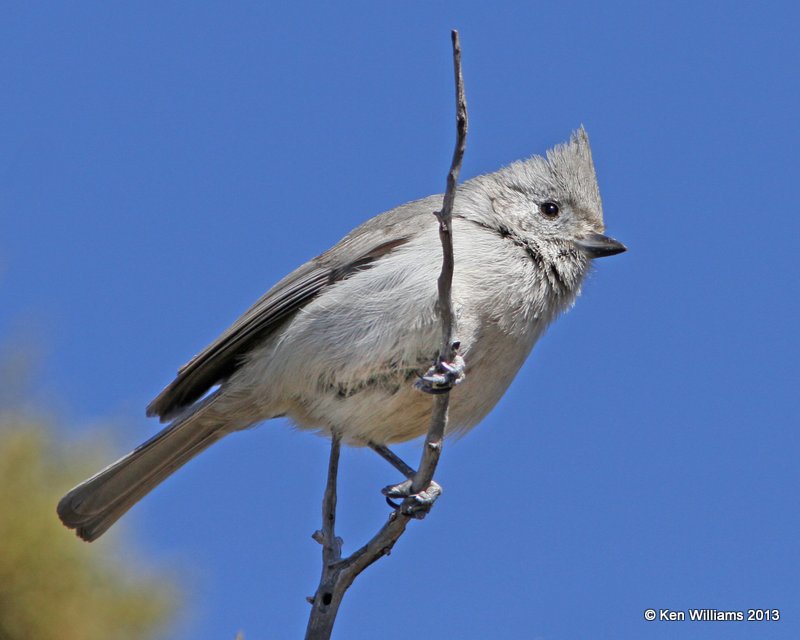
[331, 546]
[323, 612]
[447, 352]
[338, 574]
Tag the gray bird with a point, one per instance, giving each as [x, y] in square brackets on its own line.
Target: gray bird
[338, 344]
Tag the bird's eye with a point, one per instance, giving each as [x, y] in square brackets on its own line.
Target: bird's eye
[549, 209]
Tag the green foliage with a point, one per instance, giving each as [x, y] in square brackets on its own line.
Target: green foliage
[52, 585]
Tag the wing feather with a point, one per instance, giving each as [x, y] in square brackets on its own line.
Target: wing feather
[357, 251]
[226, 354]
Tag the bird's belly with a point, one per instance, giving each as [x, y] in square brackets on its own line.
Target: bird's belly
[391, 409]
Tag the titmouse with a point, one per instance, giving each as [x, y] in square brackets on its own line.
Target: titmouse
[338, 344]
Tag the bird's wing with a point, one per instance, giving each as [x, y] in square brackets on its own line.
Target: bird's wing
[356, 252]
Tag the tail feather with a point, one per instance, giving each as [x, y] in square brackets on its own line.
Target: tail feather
[97, 503]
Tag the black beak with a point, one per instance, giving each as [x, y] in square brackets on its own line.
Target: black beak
[596, 245]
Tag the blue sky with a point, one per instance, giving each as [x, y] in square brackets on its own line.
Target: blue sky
[162, 164]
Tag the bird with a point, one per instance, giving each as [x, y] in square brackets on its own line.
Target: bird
[338, 344]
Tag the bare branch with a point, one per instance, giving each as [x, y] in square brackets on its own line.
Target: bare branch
[447, 352]
[338, 574]
[324, 603]
[331, 545]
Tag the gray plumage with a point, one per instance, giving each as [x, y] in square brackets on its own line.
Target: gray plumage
[339, 342]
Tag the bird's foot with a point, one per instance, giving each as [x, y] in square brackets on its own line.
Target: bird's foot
[420, 503]
[442, 376]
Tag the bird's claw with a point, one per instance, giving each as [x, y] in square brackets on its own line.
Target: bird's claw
[442, 376]
[420, 503]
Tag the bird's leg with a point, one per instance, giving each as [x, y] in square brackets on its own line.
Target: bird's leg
[443, 375]
[423, 501]
[393, 459]
[331, 543]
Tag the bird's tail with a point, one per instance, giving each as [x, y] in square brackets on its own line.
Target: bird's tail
[97, 503]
